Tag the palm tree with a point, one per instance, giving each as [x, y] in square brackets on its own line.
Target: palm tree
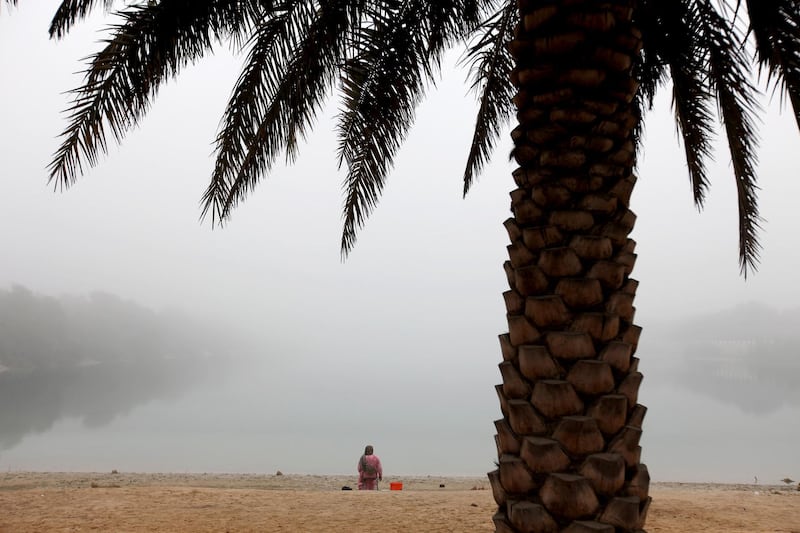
[578, 76]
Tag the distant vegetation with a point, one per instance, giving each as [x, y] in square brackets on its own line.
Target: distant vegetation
[94, 358]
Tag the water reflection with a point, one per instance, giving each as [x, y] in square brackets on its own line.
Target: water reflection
[746, 356]
[160, 393]
[93, 359]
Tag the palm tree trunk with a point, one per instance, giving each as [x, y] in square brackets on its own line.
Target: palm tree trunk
[568, 443]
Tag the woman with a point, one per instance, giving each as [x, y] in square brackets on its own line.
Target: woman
[370, 470]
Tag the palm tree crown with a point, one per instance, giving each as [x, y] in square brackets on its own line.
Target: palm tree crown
[381, 55]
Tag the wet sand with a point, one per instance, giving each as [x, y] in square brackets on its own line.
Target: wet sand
[74, 502]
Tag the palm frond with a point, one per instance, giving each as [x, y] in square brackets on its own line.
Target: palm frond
[274, 102]
[257, 84]
[69, 11]
[691, 95]
[450, 20]
[491, 65]
[152, 43]
[691, 101]
[401, 50]
[727, 70]
[651, 68]
[381, 87]
[382, 84]
[775, 25]
[671, 51]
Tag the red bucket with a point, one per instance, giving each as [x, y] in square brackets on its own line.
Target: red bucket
[396, 485]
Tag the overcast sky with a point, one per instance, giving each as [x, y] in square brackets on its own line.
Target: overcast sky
[396, 346]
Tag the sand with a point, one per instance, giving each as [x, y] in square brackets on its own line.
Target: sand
[70, 502]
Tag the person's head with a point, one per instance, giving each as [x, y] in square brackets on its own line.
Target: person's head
[368, 450]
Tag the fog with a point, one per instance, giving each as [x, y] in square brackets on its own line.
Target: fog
[95, 359]
[136, 338]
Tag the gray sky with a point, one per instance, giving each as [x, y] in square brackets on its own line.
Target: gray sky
[396, 346]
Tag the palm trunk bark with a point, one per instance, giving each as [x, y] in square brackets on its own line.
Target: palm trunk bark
[568, 443]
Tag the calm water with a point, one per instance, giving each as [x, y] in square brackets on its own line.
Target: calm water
[723, 407]
[253, 423]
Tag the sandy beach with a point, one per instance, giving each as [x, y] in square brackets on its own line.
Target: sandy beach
[123, 502]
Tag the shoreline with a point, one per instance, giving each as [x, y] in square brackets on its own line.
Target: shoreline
[211, 503]
[19, 479]
[14, 480]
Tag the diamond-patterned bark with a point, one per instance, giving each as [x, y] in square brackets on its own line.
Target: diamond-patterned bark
[568, 445]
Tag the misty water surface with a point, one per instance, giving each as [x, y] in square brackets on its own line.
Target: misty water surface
[99, 383]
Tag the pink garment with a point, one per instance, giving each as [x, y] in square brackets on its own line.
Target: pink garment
[370, 472]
